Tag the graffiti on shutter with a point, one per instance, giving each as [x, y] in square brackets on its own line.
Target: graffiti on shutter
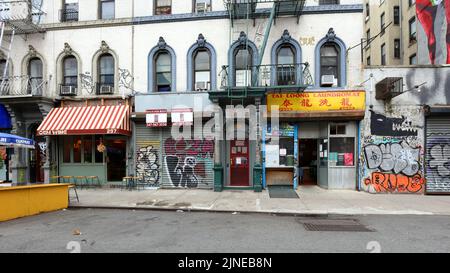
[188, 163]
[148, 161]
[438, 155]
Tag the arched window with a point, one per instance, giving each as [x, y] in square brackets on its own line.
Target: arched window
[162, 68]
[106, 74]
[243, 60]
[202, 69]
[70, 76]
[163, 71]
[330, 68]
[35, 76]
[329, 64]
[201, 66]
[286, 70]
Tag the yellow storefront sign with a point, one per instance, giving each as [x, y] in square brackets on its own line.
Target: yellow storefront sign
[317, 101]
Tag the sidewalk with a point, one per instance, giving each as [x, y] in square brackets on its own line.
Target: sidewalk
[312, 201]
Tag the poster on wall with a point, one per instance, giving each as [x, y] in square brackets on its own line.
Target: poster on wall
[348, 159]
[182, 117]
[156, 118]
[272, 155]
[432, 31]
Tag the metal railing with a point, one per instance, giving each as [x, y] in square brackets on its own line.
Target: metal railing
[22, 16]
[22, 86]
[284, 75]
[68, 15]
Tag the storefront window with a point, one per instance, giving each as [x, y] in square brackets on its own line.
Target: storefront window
[286, 151]
[67, 149]
[77, 149]
[87, 149]
[337, 129]
[342, 151]
[100, 148]
[280, 146]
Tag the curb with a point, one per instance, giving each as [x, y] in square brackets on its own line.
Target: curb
[273, 213]
[297, 214]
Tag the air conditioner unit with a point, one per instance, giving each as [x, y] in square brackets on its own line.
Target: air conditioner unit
[201, 86]
[328, 81]
[201, 7]
[106, 89]
[68, 90]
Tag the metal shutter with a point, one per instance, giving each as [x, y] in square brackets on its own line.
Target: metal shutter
[187, 163]
[148, 154]
[438, 155]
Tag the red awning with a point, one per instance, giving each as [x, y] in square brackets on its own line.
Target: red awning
[87, 120]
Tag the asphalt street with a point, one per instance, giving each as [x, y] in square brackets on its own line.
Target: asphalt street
[95, 230]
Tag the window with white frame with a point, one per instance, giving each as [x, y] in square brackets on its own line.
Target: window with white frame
[163, 71]
[106, 74]
[201, 6]
[243, 63]
[202, 69]
[329, 64]
[286, 70]
[107, 9]
[35, 76]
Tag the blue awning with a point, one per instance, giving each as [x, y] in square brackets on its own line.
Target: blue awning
[15, 141]
[5, 119]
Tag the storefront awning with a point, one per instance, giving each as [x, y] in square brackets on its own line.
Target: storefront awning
[87, 120]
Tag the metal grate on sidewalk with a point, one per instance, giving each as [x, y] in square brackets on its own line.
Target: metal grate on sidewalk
[335, 226]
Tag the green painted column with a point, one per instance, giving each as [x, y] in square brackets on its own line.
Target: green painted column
[218, 178]
[257, 179]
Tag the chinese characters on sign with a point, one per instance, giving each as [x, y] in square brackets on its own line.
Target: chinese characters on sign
[307, 41]
[317, 101]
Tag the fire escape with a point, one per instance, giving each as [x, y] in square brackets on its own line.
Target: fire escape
[20, 18]
[254, 78]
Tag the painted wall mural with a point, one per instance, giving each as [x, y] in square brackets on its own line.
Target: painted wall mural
[392, 153]
[385, 182]
[147, 165]
[434, 17]
[380, 125]
[187, 162]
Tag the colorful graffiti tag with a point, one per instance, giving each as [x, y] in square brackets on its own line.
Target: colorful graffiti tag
[386, 182]
[392, 153]
[438, 165]
[186, 161]
[393, 166]
[440, 159]
[147, 166]
[393, 157]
